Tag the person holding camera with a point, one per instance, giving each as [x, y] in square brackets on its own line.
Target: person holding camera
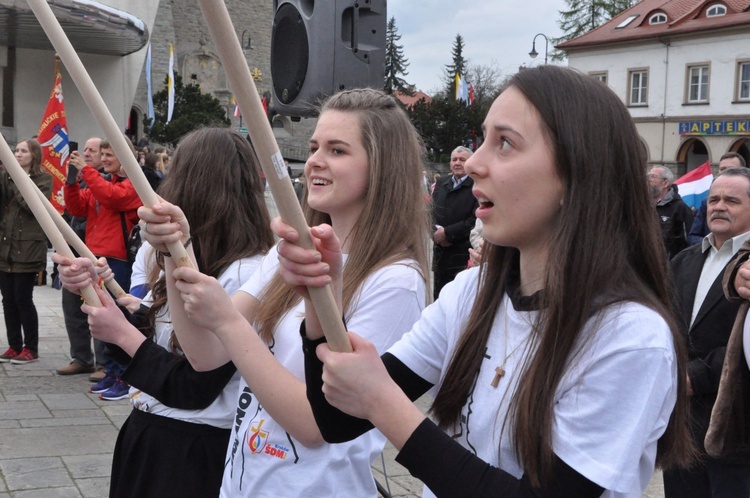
[109, 205]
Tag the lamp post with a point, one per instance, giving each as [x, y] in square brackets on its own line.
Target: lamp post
[248, 46]
[534, 53]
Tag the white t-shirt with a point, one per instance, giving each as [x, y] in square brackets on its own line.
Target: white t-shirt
[263, 460]
[220, 412]
[610, 408]
[145, 258]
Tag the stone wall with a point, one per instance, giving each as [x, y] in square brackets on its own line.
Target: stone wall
[180, 22]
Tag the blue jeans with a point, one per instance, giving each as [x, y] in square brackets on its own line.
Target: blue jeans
[122, 271]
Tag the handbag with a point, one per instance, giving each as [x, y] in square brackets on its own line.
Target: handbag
[132, 239]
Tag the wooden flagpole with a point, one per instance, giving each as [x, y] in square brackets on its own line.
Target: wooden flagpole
[27, 188]
[75, 241]
[96, 104]
[228, 46]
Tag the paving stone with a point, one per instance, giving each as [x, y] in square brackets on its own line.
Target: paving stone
[40, 382]
[413, 487]
[94, 488]
[393, 485]
[23, 410]
[22, 397]
[92, 412]
[66, 492]
[395, 488]
[89, 466]
[28, 371]
[66, 401]
[55, 441]
[34, 473]
[118, 413]
[66, 422]
[655, 488]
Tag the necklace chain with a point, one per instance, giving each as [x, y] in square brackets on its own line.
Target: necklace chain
[500, 371]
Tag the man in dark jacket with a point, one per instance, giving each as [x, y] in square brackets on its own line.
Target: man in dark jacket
[83, 359]
[675, 216]
[453, 214]
[700, 223]
[706, 317]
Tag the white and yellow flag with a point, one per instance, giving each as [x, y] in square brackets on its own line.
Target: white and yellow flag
[170, 85]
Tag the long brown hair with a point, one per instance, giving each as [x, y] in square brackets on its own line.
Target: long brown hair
[393, 224]
[215, 179]
[36, 156]
[606, 249]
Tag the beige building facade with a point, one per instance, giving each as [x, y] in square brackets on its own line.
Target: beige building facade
[683, 69]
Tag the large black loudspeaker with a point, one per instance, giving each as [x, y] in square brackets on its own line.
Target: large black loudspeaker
[321, 47]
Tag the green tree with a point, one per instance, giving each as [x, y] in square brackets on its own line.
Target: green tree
[192, 109]
[395, 61]
[584, 15]
[457, 67]
[445, 124]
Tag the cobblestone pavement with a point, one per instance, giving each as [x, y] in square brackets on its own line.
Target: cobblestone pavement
[56, 440]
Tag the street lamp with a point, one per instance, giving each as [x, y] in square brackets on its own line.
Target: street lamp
[247, 46]
[534, 53]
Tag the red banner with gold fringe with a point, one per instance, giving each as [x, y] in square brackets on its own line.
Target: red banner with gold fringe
[53, 137]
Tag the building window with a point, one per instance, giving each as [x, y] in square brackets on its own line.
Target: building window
[638, 87]
[743, 81]
[600, 76]
[658, 19]
[697, 84]
[627, 21]
[716, 10]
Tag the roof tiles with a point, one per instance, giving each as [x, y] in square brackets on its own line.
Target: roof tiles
[684, 17]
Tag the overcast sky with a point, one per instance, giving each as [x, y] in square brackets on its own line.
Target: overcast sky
[499, 31]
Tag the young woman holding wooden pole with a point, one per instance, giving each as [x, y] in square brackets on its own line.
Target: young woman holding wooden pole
[174, 441]
[558, 366]
[363, 175]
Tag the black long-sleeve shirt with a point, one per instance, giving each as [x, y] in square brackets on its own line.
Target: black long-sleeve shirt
[446, 467]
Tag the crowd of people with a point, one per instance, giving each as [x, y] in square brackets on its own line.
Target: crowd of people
[582, 348]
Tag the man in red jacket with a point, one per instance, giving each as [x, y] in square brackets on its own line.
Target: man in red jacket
[105, 204]
[109, 205]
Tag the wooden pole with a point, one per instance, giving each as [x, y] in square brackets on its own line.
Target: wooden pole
[26, 187]
[75, 241]
[94, 100]
[228, 46]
